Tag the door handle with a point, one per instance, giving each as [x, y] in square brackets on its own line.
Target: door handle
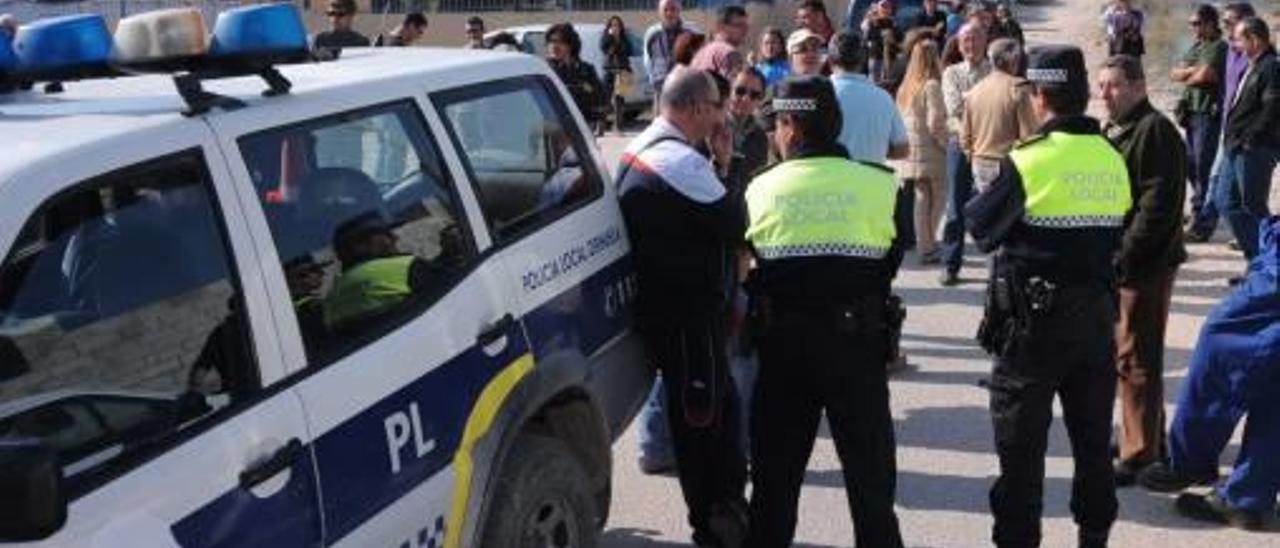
[281, 460]
[496, 330]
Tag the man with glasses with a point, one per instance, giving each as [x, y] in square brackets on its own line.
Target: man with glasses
[1201, 71]
[342, 15]
[684, 223]
[475, 33]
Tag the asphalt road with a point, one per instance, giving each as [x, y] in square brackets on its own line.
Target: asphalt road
[945, 458]
[943, 428]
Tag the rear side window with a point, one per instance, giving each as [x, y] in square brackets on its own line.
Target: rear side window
[121, 322]
[365, 220]
[528, 161]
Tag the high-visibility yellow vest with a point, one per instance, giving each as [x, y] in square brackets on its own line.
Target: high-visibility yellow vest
[821, 207]
[1073, 181]
[369, 289]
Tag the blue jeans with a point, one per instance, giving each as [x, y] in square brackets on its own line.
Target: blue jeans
[1213, 201]
[1244, 202]
[1203, 133]
[960, 184]
[1231, 374]
[655, 434]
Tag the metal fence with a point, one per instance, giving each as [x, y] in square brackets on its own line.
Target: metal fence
[27, 10]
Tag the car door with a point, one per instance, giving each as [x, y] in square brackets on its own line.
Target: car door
[133, 347]
[556, 228]
[394, 394]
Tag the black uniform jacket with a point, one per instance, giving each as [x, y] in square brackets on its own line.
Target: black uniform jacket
[1069, 256]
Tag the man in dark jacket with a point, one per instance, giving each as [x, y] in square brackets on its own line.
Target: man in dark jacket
[342, 15]
[1252, 136]
[1148, 260]
[683, 221]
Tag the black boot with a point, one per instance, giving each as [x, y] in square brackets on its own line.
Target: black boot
[1093, 539]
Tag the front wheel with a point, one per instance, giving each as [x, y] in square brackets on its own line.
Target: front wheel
[543, 500]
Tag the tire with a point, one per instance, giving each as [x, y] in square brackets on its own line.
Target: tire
[543, 499]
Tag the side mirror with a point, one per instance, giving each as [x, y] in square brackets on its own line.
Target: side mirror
[32, 505]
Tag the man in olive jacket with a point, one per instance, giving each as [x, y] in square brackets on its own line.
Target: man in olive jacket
[1148, 260]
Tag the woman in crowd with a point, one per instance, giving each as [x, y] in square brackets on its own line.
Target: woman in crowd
[617, 67]
[564, 54]
[772, 63]
[924, 169]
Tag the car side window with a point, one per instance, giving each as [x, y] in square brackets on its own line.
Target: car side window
[525, 155]
[365, 220]
[121, 319]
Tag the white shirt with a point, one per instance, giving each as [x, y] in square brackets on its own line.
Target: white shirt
[681, 166]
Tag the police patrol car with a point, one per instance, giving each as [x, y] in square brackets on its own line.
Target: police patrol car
[253, 299]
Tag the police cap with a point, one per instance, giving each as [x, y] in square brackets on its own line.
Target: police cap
[1058, 66]
[812, 101]
[800, 94]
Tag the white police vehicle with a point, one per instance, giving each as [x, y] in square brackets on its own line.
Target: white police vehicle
[171, 373]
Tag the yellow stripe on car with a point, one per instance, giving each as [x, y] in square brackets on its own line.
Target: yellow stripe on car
[478, 424]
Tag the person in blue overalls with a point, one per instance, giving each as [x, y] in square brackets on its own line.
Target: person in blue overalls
[1234, 371]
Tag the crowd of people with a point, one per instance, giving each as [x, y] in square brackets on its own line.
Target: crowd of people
[765, 276]
[990, 136]
[778, 189]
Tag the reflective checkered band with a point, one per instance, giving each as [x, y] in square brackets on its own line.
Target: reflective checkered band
[822, 250]
[1047, 76]
[795, 105]
[1077, 221]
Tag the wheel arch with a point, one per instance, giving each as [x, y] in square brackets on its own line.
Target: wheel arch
[552, 400]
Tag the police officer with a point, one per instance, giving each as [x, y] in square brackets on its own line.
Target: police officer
[1055, 215]
[822, 232]
[377, 279]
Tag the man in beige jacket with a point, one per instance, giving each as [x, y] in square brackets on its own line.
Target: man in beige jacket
[997, 113]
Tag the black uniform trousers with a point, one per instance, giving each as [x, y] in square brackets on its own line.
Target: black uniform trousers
[702, 411]
[804, 370]
[1068, 353]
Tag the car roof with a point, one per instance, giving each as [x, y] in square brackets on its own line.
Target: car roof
[39, 126]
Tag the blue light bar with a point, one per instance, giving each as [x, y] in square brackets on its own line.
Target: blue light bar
[63, 43]
[260, 29]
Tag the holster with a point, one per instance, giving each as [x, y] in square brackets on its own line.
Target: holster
[1015, 303]
[999, 325]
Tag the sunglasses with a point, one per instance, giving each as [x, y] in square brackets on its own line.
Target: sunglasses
[741, 91]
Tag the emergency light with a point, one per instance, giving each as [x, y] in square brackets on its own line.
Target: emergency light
[267, 31]
[154, 39]
[73, 45]
[246, 41]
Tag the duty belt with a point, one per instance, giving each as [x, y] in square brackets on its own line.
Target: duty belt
[868, 315]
